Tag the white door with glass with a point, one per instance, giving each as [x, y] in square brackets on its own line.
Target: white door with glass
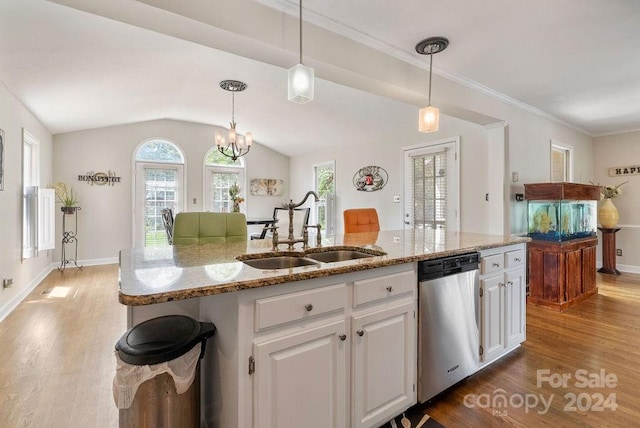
[432, 198]
[159, 184]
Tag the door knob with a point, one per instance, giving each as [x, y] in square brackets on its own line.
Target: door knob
[342, 337]
[360, 332]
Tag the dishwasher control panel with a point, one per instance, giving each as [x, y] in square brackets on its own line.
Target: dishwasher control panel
[437, 268]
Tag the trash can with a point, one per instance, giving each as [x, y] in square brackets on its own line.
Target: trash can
[157, 382]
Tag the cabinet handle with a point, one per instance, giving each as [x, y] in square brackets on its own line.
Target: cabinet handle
[360, 332]
[343, 337]
[517, 259]
[308, 307]
[510, 282]
[389, 289]
[501, 284]
[496, 264]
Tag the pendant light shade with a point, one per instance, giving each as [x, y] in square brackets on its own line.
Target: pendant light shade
[429, 116]
[300, 85]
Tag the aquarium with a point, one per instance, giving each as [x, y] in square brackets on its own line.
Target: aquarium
[561, 220]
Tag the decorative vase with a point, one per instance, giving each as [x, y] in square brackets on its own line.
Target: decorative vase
[608, 214]
[236, 207]
[68, 210]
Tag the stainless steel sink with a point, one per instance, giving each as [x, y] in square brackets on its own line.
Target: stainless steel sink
[279, 262]
[332, 256]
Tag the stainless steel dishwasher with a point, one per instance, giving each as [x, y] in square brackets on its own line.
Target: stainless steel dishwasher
[448, 323]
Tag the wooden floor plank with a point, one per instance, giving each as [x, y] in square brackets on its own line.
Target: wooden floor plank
[58, 363]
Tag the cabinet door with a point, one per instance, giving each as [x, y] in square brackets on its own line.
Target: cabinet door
[300, 379]
[492, 316]
[384, 364]
[515, 308]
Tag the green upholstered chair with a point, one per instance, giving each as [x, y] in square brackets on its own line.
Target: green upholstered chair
[209, 228]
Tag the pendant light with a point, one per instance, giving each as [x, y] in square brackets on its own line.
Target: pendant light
[300, 83]
[237, 145]
[429, 116]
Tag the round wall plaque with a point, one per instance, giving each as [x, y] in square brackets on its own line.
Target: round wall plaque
[370, 178]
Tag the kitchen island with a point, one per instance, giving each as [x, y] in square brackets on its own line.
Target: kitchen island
[327, 345]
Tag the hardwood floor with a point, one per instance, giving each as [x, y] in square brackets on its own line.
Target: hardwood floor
[57, 360]
[599, 334]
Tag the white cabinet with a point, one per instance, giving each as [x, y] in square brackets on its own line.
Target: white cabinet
[384, 364]
[301, 379]
[503, 293]
[335, 355]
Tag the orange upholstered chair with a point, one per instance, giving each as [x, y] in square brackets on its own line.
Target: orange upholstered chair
[361, 220]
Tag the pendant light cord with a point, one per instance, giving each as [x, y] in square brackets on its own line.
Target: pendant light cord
[430, 65]
[233, 104]
[300, 31]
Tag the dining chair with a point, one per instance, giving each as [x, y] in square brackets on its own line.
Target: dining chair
[361, 220]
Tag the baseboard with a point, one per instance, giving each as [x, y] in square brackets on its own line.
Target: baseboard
[90, 262]
[13, 303]
[623, 268]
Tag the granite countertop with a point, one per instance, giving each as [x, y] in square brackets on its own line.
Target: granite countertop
[162, 274]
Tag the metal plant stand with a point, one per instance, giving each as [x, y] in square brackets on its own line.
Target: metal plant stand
[69, 237]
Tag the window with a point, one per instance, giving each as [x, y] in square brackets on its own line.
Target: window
[159, 170]
[431, 189]
[220, 173]
[561, 162]
[324, 186]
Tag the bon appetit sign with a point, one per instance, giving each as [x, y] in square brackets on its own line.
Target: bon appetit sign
[624, 170]
[100, 178]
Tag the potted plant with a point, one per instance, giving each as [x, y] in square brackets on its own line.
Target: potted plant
[236, 199]
[66, 197]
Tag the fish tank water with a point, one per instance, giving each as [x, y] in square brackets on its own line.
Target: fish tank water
[561, 220]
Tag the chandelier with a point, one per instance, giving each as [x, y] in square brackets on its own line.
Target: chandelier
[237, 145]
[429, 116]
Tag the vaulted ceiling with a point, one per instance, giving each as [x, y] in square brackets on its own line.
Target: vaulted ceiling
[79, 64]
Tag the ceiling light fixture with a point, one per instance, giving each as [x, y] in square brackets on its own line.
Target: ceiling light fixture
[300, 83]
[237, 145]
[430, 116]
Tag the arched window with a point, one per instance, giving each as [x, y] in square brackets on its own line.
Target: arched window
[159, 172]
[221, 172]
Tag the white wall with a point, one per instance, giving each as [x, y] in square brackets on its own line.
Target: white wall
[105, 221]
[614, 151]
[26, 275]
[527, 152]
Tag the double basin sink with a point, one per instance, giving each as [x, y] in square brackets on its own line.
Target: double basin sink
[312, 257]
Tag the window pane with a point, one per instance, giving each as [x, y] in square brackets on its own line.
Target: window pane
[430, 190]
[217, 158]
[159, 151]
[160, 193]
[219, 190]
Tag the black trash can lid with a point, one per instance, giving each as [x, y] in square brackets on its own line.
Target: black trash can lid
[162, 339]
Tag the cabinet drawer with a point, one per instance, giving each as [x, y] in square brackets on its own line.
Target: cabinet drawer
[369, 290]
[513, 258]
[494, 263]
[277, 310]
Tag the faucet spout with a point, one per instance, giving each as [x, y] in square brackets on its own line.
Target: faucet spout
[309, 193]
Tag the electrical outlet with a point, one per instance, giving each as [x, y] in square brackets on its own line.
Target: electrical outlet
[7, 282]
[619, 252]
[515, 176]
[396, 199]
[396, 239]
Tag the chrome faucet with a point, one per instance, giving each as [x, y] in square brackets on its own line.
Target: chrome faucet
[305, 235]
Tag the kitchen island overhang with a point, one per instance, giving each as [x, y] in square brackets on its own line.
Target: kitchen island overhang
[153, 275]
